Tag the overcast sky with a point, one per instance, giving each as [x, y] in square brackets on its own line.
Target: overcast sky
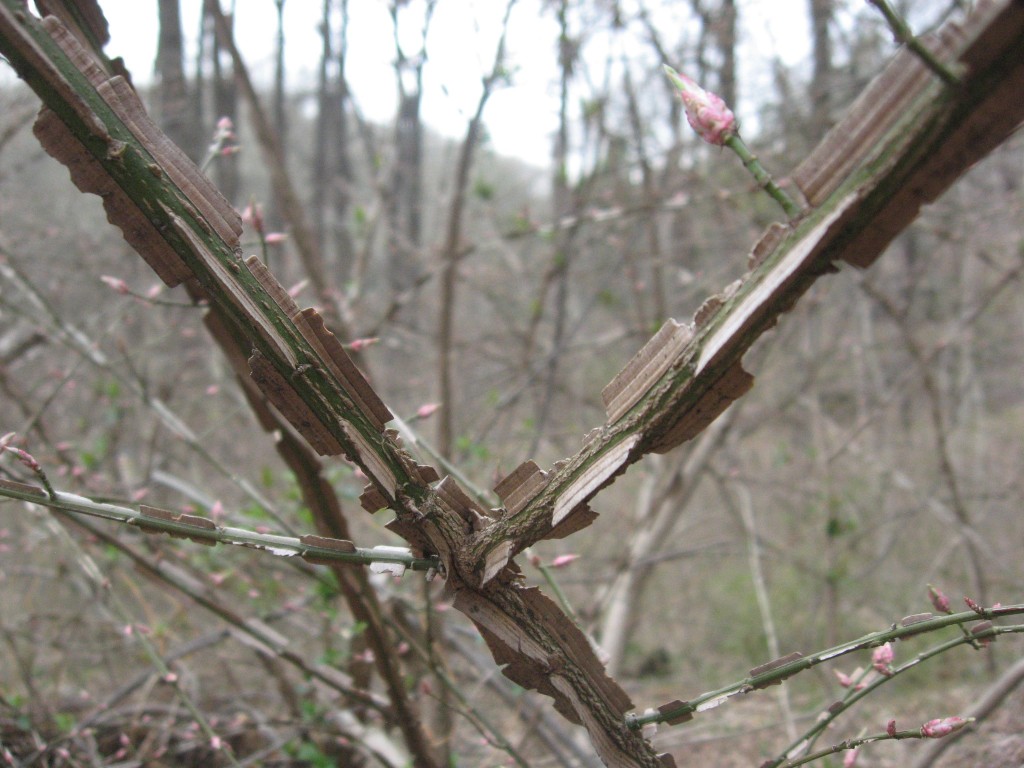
[520, 118]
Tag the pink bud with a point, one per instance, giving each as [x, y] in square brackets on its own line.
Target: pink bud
[844, 680]
[939, 600]
[358, 345]
[116, 283]
[563, 560]
[275, 238]
[882, 659]
[974, 606]
[706, 112]
[253, 214]
[224, 125]
[943, 726]
[427, 410]
[851, 758]
[890, 728]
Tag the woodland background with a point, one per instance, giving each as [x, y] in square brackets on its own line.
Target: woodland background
[879, 451]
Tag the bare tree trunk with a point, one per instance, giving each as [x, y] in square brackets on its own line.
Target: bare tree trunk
[225, 101]
[405, 204]
[557, 274]
[453, 248]
[821, 78]
[324, 117]
[173, 90]
[724, 27]
[273, 215]
[344, 175]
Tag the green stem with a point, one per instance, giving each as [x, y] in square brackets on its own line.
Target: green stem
[761, 175]
[905, 35]
[279, 545]
[779, 673]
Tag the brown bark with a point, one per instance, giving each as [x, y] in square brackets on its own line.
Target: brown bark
[867, 181]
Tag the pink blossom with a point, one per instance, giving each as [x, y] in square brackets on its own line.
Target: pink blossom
[116, 283]
[216, 743]
[563, 560]
[253, 215]
[890, 728]
[851, 758]
[225, 127]
[706, 112]
[844, 679]
[358, 345]
[942, 726]
[275, 238]
[939, 601]
[427, 410]
[882, 659]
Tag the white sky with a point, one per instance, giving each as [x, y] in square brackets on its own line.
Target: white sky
[520, 118]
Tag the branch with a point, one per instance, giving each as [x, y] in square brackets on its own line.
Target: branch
[320, 550]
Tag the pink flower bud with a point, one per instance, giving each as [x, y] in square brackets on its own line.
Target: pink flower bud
[943, 726]
[851, 758]
[253, 214]
[116, 283]
[358, 345]
[275, 238]
[882, 659]
[706, 112]
[939, 600]
[974, 606]
[844, 680]
[890, 728]
[563, 560]
[426, 410]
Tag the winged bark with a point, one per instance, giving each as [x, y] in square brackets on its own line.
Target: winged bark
[904, 142]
